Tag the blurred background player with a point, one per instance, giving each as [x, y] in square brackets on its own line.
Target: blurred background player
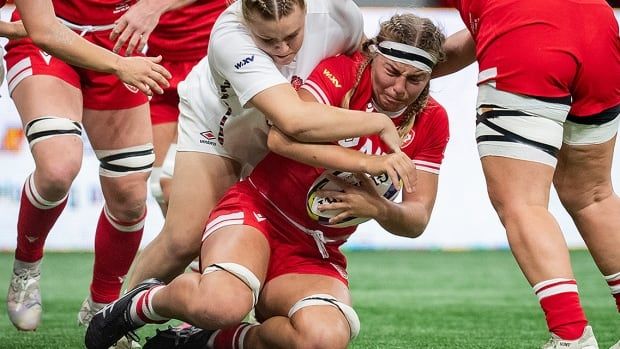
[9, 30]
[57, 40]
[261, 234]
[115, 115]
[247, 81]
[181, 37]
[548, 105]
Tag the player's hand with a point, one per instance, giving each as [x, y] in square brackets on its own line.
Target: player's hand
[398, 166]
[13, 30]
[353, 201]
[143, 73]
[135, 27]
[389, 134]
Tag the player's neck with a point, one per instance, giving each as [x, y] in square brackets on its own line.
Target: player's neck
[391, 114]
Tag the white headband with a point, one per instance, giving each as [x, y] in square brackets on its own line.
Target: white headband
[407, 54]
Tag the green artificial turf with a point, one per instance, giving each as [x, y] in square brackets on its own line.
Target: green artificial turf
[405, 299]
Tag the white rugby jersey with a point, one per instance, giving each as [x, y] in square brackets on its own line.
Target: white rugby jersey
[214, 116]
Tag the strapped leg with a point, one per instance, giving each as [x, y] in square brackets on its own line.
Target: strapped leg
[125, 161]
[325, 299]
[244, 274]
[51, 126]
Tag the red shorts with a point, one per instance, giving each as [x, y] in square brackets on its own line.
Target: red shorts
[292, 250]
[552, 57]
[165, 108]
[101, 91]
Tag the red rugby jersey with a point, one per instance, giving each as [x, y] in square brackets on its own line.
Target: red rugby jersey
[91, 12]
[183, 34]
[286, 182]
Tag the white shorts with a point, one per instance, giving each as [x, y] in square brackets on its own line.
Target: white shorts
[527, 128]
[242, 138]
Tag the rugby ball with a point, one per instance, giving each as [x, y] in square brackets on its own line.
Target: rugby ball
[382, 184]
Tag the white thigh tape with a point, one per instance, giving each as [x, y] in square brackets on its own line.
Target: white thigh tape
[125, 161]
[244, 274]
[51, 126]
[325, 299]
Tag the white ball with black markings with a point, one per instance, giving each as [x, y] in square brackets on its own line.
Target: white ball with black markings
[382, 184]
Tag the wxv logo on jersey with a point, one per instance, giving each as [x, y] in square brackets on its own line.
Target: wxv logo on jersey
[245, 61]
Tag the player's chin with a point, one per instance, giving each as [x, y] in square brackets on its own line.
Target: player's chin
[284, 60]
[391, 104]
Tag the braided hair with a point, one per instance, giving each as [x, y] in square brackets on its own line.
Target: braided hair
[411, 30]
[270, 9]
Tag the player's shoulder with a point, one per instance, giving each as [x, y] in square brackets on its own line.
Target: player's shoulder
[434, 118]
[340, 68]
[342, 61]
[229, 23]
[344, 12]
[435, 110]
[231, 46]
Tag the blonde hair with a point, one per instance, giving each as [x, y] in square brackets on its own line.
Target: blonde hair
[270, 9]
[411, 30]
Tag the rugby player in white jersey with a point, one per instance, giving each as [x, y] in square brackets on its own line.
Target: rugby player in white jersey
[260, 246]
[259, 53]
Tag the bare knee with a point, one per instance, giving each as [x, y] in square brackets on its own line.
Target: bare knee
[53, 179]
[220, 312]
[323, 322]
[323, 335]
[125, 196]
[219, 305]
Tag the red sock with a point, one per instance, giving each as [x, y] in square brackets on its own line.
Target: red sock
[614, 284]
[35, 220]
[116, 245]
[142, 311]
[559, 299]
[230, 338]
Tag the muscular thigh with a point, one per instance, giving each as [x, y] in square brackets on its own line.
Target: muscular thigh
[115, 129]
[199, 182]
[114, 133]
[516, 183]
[519, 127]
[583, 174]
[281, 293]
[55, 98]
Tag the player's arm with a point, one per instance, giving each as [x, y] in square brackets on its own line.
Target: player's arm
[315, 122]
[336, 157]
[136, 25]
[460, 51]
[53, 37]
[410, 217]
[396, 165]
[12, 30]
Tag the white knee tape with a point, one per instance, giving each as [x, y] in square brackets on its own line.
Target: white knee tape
[51, 126]
[244, 274]
[167, 168]
[325, 299]
[155, 185]
[125, 161]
